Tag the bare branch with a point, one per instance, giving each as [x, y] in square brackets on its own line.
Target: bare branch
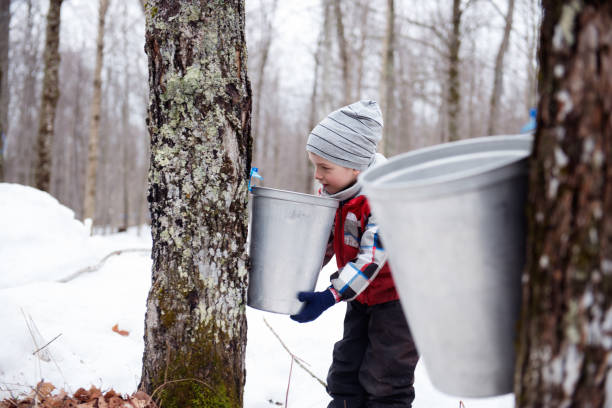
[497, 9]
[427, 44]
[93, 268]
[296, 358]
[51, 341]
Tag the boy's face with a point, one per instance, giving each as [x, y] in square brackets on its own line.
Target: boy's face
[333, 177]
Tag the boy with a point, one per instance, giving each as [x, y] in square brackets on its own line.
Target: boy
[373, 365]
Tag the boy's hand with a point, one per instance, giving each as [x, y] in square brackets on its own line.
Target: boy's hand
[315, 304]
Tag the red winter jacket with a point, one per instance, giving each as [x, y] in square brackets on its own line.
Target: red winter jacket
[363, 273]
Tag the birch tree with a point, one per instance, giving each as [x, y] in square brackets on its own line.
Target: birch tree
[5, 20]
[199, 122]
[89, 205]
[50, 95]
[565, 339]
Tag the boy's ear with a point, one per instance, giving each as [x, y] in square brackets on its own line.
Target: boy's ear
[356, 172]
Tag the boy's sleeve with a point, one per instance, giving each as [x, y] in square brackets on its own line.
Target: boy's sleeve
[356, 275]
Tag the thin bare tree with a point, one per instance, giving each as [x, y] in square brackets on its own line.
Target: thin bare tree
[261, 135]
[89, 205]
[343, 49]
[50, 95]
[5, 22]
[387, 85]
[565, 341]
[453, 93]
[498, 73]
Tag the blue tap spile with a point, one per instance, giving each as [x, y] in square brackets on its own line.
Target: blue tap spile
[254, 174]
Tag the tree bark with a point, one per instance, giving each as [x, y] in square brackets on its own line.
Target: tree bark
[565, 338]
[50, 95]
[498, 76]
[5, 22]
[200, 126]
[89, 206]
[387, 80]
[453, 98]
[344, 54]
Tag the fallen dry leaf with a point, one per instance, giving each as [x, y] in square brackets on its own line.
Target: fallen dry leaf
[92, 398]
[121, 332]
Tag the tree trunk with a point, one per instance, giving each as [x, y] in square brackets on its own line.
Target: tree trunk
[565, 336]
[200, 126]
[361, 57]
[89, 206]
[533, 25]
[453, 96]
[498, 79]
[19, 150]
[263, 140]
[50, 95]
[5, 21]
[77, 143]
[344, 54]
[387, 80]
[313, 115]
[126, 136]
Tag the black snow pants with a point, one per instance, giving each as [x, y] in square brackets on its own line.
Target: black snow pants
[373, 365]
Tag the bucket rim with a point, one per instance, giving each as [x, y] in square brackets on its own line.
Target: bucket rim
[294, 196]
[504, 168]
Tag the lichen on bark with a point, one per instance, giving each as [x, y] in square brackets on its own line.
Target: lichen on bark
[199, 124]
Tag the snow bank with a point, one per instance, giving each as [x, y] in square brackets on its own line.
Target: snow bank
[41, 242]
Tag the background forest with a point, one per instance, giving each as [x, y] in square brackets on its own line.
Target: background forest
[441, 70]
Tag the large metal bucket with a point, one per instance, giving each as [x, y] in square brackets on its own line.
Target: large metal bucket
[289, 234]
[452, 219]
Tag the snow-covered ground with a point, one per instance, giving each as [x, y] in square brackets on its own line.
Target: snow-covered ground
[42, 244]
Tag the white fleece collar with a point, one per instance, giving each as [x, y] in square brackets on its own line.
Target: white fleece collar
[355, 189]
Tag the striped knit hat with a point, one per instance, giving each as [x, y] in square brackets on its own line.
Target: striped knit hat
[348, 136]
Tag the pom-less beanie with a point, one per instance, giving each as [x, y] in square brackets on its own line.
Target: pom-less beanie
[348, 136]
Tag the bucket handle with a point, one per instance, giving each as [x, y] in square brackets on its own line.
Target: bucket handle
[255, 174]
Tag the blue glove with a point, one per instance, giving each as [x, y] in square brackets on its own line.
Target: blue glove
[315, 304]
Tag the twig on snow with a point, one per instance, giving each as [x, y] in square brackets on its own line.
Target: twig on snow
[298, 360]
[289, 382]
[52, 340]
[93, 268]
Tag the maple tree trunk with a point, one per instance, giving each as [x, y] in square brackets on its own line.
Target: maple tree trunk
[5, 20]
[50, 95]
[565, 338]
[199, 122]
[89, 206]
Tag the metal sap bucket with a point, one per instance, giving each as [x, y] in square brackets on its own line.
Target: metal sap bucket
[289, 235]
[452, 218]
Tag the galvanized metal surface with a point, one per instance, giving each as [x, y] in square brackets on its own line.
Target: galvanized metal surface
[452, 219]
[288, 237]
